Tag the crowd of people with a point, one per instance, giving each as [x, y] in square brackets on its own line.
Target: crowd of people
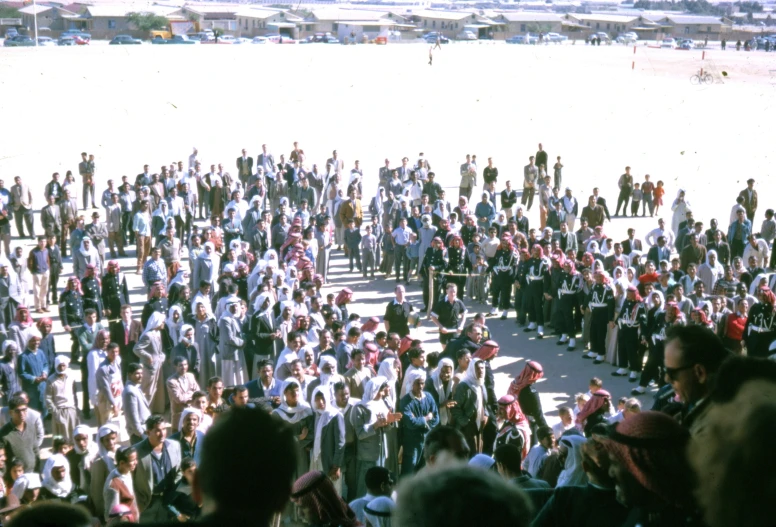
[235, 269]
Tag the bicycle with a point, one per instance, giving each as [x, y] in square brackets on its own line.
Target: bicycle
[702, 77]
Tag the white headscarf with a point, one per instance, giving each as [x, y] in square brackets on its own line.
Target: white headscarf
[92, 250]
[477, 385]
[107, 456]
[412, 376]
[326, 378]
[154, 321]
[444, 412]
[388, 370]
[60, 489]
[186, 411]
[212, 256]
[371, 390]
[297, 413]
[257, 305]
[322, 418]
[379, 511]
[180, 278]
[174, 327]
[573, 474]
[286, 356]
[182, 335]
[24, 482]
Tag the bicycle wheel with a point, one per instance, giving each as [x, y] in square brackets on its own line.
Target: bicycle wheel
[695, 79]
[708, 78]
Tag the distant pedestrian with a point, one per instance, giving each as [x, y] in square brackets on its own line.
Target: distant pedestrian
[431, 54]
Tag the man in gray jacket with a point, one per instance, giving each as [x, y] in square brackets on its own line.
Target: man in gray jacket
[230, 345]
[157, 473]
[136, 408]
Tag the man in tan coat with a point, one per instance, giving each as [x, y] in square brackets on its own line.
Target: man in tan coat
[351, 209]
[180, 388]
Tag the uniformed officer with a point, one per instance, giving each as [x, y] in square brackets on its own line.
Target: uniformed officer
[71, 313]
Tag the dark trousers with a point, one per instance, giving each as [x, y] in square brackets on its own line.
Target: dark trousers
[648, 202]
[86, 408]
[24, 216]
[53, 292]
[88, 189]
[628, 349]
[350, 472]
[622, 200]
[412, 448]
[75, 347]
[354, 255]
[400, 259]
[501, 291]
[635, 207]
[527, 198]
[534, 297]
[126, 228]
[565, 316]
[652, 369]
[520, 305]
[737, 248]
[598, 321]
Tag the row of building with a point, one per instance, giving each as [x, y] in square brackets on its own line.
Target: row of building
[247, 20]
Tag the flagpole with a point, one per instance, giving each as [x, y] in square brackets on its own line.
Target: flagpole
[35, 17]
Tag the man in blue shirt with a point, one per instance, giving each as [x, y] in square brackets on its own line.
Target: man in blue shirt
[419, 415]
[485, 212]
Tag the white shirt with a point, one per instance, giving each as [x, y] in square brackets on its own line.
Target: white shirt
[653, 235]
[760, 253]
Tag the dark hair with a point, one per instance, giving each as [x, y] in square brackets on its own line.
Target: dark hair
[415, 353]
[265, 362]
[445, 438]
[52, 513]
[154, 421]
[133, 367]
[240, 388]
[339, 386]
[16, 401]
[122, 454]
[510, 456]
[356, 352]
[376, 477]
[354, 332]
[187, 463]
[213, 380]
[543, 433]
[198, 394]
[179, 359]
[432, 360]
[90, 311]
[461, 354]
[699, 345]
[267, 446]
[735, 372]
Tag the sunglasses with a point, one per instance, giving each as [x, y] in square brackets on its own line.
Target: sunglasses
[671, 373]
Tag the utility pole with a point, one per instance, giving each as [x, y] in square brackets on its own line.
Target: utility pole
[35, 17]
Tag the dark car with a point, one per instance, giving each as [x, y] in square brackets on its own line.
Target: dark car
[432, 39]
[66, 41]
[124, 40]
[19, 41]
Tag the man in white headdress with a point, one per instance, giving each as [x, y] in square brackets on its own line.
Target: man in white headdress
[85, 255]
[230, 346]
[206, 266]
[151, 354]
[60, 398]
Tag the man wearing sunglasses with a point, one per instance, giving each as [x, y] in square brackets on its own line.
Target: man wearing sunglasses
[693, 354]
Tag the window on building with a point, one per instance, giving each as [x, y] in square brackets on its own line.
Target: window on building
[334, 26]
[456, 25]
[433, 23]
[708, 29]
[425, 23]
[522, 27]
[597, 25]
[607, 26]
[686, 30]
[308, 27]
[111, 24]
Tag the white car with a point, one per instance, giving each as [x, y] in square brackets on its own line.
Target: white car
[261, 40]
[46, 41]
[555, 37]
[466, 35]
[227, 39]
[627, 38]
[669, 43]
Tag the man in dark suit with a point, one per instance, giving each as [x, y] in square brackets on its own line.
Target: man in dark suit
[265, 334]
[244, 167]
[659, 252]
[750, 199]
[631, 244]
[125, 333]
[601, 201]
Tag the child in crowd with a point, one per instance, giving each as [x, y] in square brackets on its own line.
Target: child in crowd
[636, 196]
[595, 385]
[413, 253]
[479, 318]
[658, 196]
[581, 399]
[353, 243]
[478, 279]
[368, 250]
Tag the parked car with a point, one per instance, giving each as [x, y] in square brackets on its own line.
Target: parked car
[556, 37]
[125, 40]
[286, 40]
[466, 35]
[669, 43]
[627, 38]
[46, 41]
[12, 32]
[603, 36]
[66, 41]
[442, 40]
[523, 39]
[325, 38]
[685, 43]
[227, 39]
[274, 38]
[431, 34]
[19, 41]
[181, 39]
[261, 40]
[79, 36]
[202, 36]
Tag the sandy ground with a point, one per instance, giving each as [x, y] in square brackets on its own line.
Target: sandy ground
[152, 104]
